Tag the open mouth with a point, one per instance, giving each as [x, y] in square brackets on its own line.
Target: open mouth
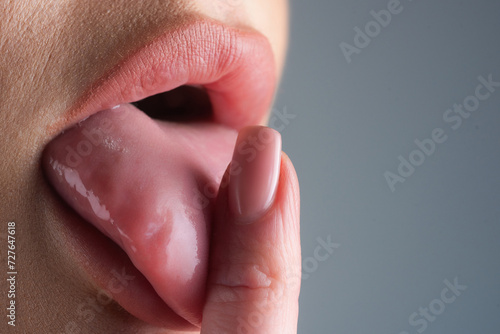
[185, 104]
[145, 167]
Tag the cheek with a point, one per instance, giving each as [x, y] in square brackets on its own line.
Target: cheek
[271, 18]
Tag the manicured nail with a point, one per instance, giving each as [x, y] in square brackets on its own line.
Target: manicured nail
[254, 172]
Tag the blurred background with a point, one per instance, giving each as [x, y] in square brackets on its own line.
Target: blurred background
[390, 111]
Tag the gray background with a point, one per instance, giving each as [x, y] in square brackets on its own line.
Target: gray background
[352, 122]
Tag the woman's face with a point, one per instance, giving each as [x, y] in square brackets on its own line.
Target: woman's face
[63, 61]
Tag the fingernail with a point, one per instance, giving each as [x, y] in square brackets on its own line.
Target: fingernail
[254, 173]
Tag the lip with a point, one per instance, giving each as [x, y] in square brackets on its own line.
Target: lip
[235, 66]
[199, 52]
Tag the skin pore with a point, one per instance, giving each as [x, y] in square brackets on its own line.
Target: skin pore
[52, 51]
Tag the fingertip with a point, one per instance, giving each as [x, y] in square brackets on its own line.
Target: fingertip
[255, 267]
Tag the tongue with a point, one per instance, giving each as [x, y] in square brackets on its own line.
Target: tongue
[149, 186]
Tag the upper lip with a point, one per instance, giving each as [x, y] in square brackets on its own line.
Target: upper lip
[235, 66]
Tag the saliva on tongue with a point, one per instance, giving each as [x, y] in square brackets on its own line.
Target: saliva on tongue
[150, 187]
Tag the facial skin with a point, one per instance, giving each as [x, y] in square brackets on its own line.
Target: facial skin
[51, 52]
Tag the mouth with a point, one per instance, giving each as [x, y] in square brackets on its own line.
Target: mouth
[144, 156]
[185, 104]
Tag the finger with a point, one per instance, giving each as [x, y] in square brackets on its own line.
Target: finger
[254, 275]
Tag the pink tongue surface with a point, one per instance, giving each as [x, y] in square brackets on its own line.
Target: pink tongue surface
[149, 186]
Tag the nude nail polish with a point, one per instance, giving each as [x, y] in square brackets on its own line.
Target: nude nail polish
[254, 173]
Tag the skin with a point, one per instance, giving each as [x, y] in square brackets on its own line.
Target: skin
[51, 51]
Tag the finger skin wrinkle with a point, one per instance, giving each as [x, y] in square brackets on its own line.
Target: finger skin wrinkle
[247, 276]
[263, 297]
